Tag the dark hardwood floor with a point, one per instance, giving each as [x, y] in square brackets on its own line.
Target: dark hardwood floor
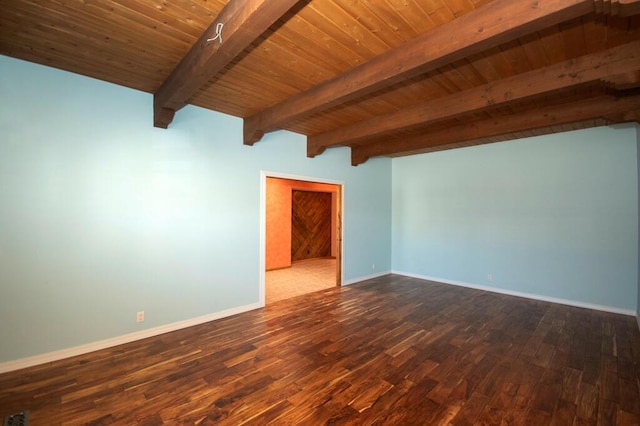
[392, 350]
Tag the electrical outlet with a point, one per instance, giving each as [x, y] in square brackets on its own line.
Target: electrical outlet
[490, 277]
[140, 316]
[373, 266]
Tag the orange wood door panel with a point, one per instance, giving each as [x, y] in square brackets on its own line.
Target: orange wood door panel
[310, 225]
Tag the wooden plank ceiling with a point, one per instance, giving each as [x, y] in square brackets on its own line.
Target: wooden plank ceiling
[385, 77]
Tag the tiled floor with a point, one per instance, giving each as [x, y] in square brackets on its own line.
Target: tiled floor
[303, 277]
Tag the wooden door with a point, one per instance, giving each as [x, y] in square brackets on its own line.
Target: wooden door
[310, 225]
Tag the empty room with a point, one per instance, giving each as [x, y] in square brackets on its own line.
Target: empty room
[478, 166]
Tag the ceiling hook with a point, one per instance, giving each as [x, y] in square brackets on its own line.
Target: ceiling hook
[218, 36]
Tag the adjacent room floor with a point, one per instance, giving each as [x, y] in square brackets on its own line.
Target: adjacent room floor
[302, 278]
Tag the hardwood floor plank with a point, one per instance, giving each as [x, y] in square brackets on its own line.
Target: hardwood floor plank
[587, 402]
[626, 418]
[470, 410]
[564, 413]
[392, 350]
[606, 412]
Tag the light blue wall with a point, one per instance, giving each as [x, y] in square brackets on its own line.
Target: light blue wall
[553, 216]
[102, 215]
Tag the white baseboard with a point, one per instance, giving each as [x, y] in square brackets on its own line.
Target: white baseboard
[143, 334]
[364, 278]
[119, 340]
[604, 308]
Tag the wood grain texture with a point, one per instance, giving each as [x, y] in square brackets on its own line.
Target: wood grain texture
[242, 21]
[567, 74]
[469, 34]
[388, 351]
[477, 132]
[310, 225]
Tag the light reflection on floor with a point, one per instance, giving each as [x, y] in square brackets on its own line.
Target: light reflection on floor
[303, 277]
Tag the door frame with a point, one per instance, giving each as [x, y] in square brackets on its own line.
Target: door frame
[264, 174]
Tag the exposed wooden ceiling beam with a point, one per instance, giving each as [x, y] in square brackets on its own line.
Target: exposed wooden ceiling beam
[244, 21]
[476, 132]
[495, 23]
[618, 7]
[624, 81]
[588, 68]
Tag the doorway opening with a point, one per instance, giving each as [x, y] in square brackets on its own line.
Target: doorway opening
[301, 236]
